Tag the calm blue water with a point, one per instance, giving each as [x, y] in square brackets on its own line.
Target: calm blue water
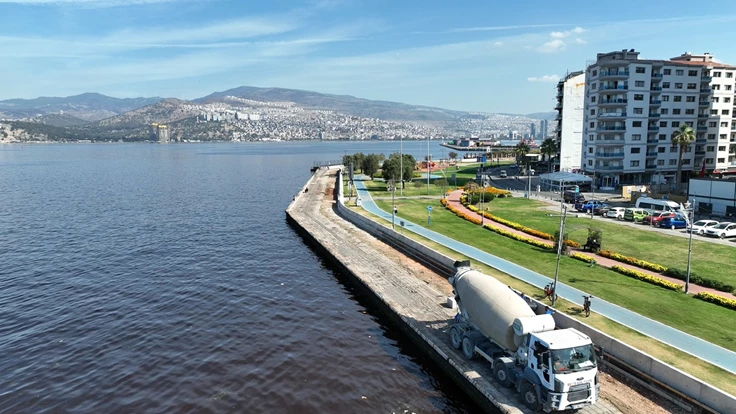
[164, 278]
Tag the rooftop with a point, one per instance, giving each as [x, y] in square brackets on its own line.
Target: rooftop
[685, 59]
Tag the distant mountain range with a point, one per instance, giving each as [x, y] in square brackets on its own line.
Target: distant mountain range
[92, 107]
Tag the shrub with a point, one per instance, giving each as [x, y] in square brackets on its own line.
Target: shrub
[443, 201]
[700, 281]
[583, 258]
[718, 300]
[515, 236]
[647, 278]
[633, 261]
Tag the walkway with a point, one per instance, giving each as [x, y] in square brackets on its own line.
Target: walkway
[454, 199]
[685, 342]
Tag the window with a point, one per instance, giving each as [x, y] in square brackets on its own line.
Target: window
[638, 110]
[712, 124]
[590, 150]
[714, 112]
[673, 162]
[641, 69]
[665, 85]
[711, 136]
[676, 111]
[592, 99]
[716, 74]
[639, 84]
[663, 124]
[689, 99]
[591, 137]
[673, 149]
[636, 124]
[692, 73]
[592, 111]
[595, 73]
[725, 112]
[686, 161]
[635, 163]
[716, 87]
[635, 150]
[728, 87]
[636, 137]
[709, 160]
[592, 124]
[689, 123]
[689, 111]
[590, 162]
[727, 100]
[691, 85]
[679, 72]
[721, 160]
[675, 124]
[661, 150]
[710, 148]
[723, 148]
[660, 162]
[668, 71]
[714, 99]
[724, 124]
[664, 111]
[723, 136]
[729, 75]
[638, 97]
[678, 85]
[678, 98]
[662, 137]
[593, 86]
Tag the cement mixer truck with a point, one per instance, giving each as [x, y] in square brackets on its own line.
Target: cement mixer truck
[552, 369]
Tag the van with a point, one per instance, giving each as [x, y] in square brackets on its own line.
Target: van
[503, 174]
[572, 197]
[654, 204]
[635, 214]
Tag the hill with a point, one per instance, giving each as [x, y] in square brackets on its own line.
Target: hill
[60, 120]
[87, 106]
[392, 111]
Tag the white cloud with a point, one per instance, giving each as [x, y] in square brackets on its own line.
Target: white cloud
[566, 33]
[498, 43]
[552, 46]
[580, 41]
[491, 28]
[87, 3]
[544, 78]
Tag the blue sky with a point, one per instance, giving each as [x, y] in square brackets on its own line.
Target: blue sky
[483, 56]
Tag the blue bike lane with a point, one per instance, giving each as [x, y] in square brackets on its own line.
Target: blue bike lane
[683, 341]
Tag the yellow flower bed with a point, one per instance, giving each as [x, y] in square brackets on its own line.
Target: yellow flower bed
[463, 215]
[633, 261]
[583, 258]
[647, 278]
[515, 236]
[443, 201]
[718, 300]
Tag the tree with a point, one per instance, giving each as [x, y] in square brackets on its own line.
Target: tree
[453, 155]
[682, 138]
[392, 167]
[370, 165]
[358, 159]
[522, 148]
[549, 148]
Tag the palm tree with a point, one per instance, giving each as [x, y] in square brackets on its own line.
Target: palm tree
[682, 138]
[453, 155]
[522, 148]
[549, 148]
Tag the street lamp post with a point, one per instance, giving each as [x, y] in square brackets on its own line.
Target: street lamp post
[592, 208]
[393, 203]
[691, 213]
[401, 164]
[560, 237]
[428, 157]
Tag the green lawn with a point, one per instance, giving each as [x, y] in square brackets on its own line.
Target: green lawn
[699, 318]
[708, 259]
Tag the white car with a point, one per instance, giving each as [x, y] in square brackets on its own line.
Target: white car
[700, 226]
[722, 230]
[616, 212]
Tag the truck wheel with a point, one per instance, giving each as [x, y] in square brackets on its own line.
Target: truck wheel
[468, 348]
[456, 337]
[501, 373]
[529, 396]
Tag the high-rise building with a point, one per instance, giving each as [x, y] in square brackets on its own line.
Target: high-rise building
[163, 133]
[634, 106]
[543, 129]
[532, 130]
[570, 101]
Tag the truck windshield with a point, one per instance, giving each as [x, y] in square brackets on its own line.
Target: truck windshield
[580, 358]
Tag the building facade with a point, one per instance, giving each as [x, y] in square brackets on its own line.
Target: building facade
[570, 102]
[634, 106]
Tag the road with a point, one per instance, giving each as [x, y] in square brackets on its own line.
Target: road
[685, 342]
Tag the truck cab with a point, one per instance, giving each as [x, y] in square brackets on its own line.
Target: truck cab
[563, 362]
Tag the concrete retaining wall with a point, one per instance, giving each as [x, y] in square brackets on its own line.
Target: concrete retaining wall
[662, 372]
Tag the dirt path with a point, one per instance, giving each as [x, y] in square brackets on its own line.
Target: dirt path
[454, 199]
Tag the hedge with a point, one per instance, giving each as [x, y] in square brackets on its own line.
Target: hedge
[647, 278]
[520, 238]
[633, 261]
[718, 300]
[700, 281]
[583, 258]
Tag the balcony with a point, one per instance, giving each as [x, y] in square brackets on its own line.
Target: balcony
[611, 128]
[652, 140]
[706, 90]
[654, 115]
[704, 103]
[706, 78]
[656, 75]
[610, 142]
[700, 152]
[610, 154]
[652, 128]
[613, 102]
[651, 154]
[702, 128]
[655, 102]
[651, 167]
[612, 115]
[702, 115]
[656, 89]
[701, 140]
[609, 167]
[558, 106]
[613, 74]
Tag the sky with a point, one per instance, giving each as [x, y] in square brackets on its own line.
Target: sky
[484, 56]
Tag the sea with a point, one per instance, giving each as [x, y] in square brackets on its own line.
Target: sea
[150, 278]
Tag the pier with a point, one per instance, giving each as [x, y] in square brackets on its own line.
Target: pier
[413, 301]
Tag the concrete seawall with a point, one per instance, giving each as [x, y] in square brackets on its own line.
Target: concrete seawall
[411, 304]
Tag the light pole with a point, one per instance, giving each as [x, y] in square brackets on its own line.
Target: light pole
[428, 157]
[691, 213]
[592, 207]
[482, 200]
[401, 163]
[560, 237]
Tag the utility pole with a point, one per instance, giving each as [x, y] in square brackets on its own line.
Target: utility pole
[393, 204]
[428, 164]
[560, 237]
[592, 207]
[691, 213]
[401, 163]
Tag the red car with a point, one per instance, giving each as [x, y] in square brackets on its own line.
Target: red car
[657, 217]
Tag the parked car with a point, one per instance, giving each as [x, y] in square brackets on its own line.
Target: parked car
[616, 212]
[700, 226]
[636, 214]
[678, 221]
[601, 209]
[572, 197]
[654, 218]
[586, 205]
[722, 230]
[503, 174]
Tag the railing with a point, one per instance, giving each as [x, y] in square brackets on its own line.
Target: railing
[609, 167]
[652, 141]
[605, 74]
[704, 103]
[706, 90]
[614, 87]
[700, 152]
[655, 88]
[653, 128]
[650, 167]
[701, 140]
[703, 115]
[654, 115]
[651, 154]
[656, 75]
[655, 102]
[706, 78]
[610, 154]
[612, 128]
[702, 128]
[613, 101]
[612, 114]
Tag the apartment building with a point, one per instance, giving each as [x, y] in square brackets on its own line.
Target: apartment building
[570, 103]
[633, 106]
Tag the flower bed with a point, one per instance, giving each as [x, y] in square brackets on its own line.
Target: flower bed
[646, 278]
[718, 300]
[583, 258]
[515, 236]
[698, 280]
[633, 261]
